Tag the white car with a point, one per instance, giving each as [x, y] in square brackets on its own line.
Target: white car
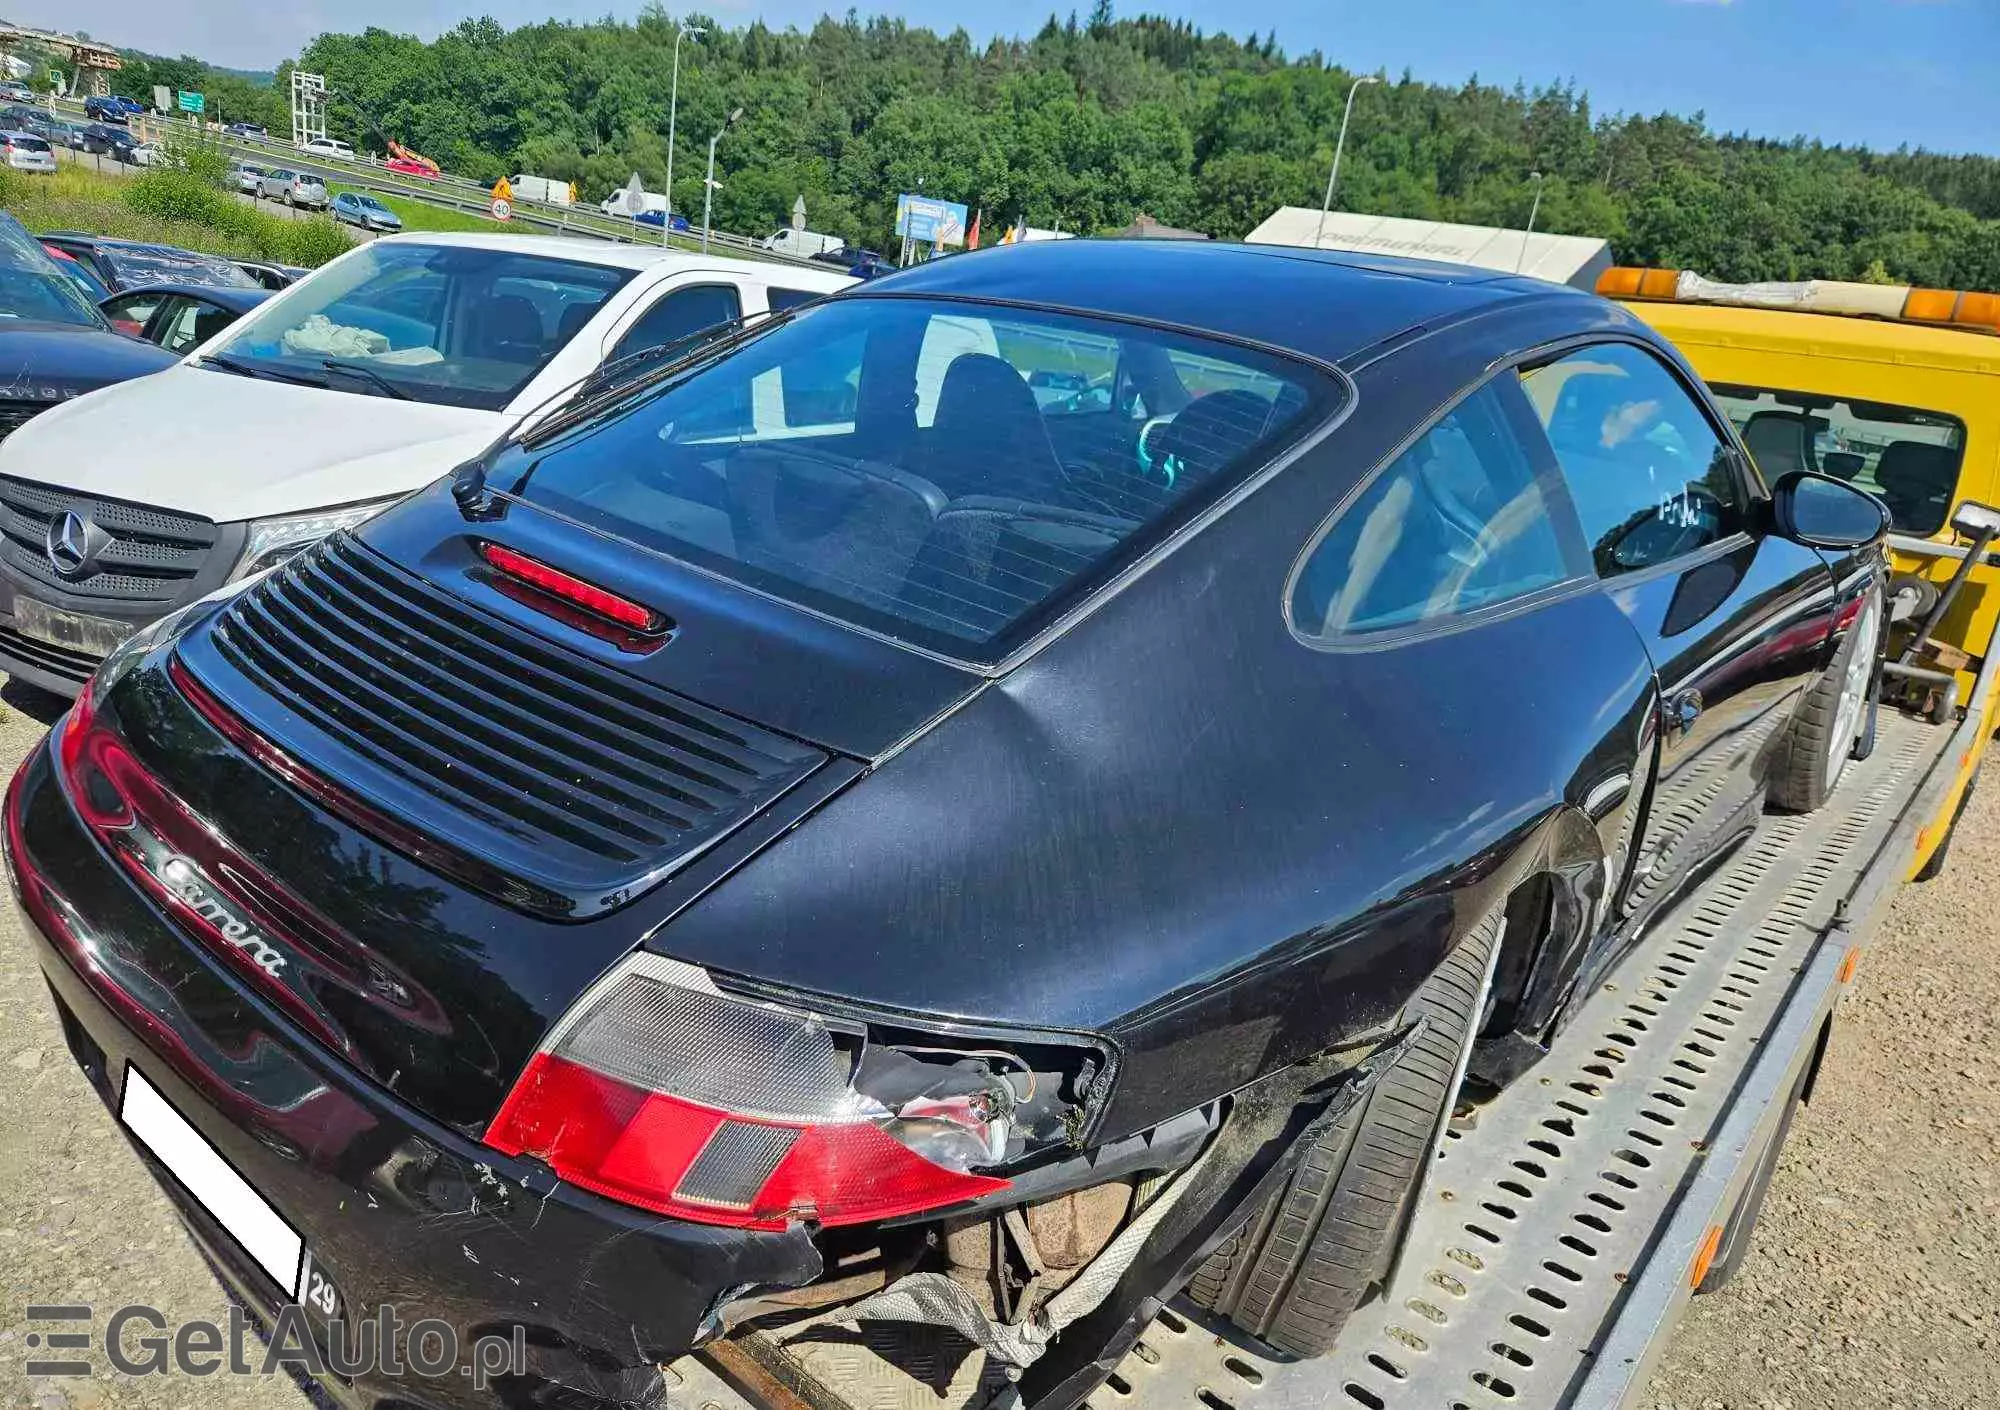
[364, 381]
[328, 146]
[27, 152]
[147, 154]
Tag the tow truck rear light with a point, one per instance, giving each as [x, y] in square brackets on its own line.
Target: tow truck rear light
[664, 1092]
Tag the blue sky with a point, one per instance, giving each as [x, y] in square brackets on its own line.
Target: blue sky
[1881, 72]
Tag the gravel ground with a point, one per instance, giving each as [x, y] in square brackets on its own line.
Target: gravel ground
[1871, 1282]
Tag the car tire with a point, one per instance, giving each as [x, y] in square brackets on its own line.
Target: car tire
[1834, 718]
[1302, 1264]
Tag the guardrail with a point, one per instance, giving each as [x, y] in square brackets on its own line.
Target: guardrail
[459, 193]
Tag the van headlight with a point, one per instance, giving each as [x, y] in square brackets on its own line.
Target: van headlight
[272, 541]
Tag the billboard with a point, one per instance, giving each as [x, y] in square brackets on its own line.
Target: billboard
[925, 218]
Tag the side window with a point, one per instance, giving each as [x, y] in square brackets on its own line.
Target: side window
[1463, 519]
[178, 328]
[782, 299]
[684, 311]
[1650, 478]
[130, 313]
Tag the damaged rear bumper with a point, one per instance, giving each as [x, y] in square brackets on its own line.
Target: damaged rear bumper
[391, 1207]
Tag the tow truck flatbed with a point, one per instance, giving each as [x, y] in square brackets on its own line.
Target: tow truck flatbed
[1562, 1231]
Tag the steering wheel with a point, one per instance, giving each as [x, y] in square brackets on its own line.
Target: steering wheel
[1155, 467]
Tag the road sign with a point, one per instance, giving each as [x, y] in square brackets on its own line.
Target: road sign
[192, 102]
[929, 219]
[163, 97]
[503, 200]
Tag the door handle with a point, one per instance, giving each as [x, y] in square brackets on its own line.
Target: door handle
[1682, 711]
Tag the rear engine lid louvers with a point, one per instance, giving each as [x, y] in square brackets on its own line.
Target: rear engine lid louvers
[579, 786]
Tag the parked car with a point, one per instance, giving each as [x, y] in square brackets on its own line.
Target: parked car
[26, 152]
[862, 748]
[656, 219]
[247, 129]
[299, 189]
[360, 208]
[12, 90]
[403, 166]
[327, 146]
[133, 264]
[109, 110]
[68, 134]
[109, 140]
[147, 154]
[262, 441]
[54, 343]
[179, 317]
[249, 178]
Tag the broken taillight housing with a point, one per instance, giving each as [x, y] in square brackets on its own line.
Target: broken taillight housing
[663, 1091]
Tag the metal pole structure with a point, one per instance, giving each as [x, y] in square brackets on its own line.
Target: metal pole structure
[673, 112]
[708, 185]
[1529, 233]
[1339, 147]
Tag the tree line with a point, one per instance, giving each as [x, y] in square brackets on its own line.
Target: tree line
[1091, 121]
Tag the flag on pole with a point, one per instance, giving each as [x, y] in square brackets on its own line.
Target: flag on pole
[972, 235]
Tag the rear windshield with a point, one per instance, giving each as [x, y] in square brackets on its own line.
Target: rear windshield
[452, 324]
[138, 267]
[946, 473]
[1907, 456]
[27, 144]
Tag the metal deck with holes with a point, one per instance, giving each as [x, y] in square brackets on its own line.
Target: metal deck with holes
[1539, 1222]
[1551, 1254]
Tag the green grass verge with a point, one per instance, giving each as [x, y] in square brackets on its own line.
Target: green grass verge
[168, 208]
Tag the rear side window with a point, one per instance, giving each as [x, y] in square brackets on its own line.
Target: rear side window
[1650, 478]
[1908, 457]
[782, 299]
[678, 314]
[898, 464]
[1467, 518]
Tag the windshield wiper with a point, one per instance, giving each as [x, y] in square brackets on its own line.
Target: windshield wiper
[368, 375]
[238, 367]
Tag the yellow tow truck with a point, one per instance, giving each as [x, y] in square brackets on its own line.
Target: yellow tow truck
[1896, 389]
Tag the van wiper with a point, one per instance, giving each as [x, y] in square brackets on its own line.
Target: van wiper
[368, 375]
[238, 367]
[650, 366]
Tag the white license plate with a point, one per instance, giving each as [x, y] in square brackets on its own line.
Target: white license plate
[75, 630]
[229, 1199]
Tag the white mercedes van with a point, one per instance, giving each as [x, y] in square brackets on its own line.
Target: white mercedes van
[359, 384]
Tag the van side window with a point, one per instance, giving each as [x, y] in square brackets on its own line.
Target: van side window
[1466, 518]
[1651, 479]
[681, 312]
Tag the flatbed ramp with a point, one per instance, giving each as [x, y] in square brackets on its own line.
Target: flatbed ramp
[1557, 1237]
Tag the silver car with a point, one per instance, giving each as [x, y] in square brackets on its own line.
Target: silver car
[294, 188]
[27, 152]
[250, 179]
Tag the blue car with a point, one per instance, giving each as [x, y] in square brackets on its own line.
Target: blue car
[129, 105]
[680, 222]
[105, 110]
[361, 209]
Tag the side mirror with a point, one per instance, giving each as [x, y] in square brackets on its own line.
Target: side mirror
[1822, 512]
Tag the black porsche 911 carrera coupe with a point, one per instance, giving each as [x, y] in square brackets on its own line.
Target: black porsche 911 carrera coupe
[821, 821]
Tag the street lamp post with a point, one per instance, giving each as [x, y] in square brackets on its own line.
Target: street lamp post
[708, 185]
[1339, 147]
[1533, 210]
[673, 112]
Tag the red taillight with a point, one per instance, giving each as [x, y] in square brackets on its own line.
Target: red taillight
[633, 616]
[672, 1096]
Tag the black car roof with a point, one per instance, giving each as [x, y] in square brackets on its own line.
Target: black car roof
[236, 300]
[1326, 304]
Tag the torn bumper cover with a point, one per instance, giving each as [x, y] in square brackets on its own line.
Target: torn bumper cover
[391, 1207]
[1065, 1348]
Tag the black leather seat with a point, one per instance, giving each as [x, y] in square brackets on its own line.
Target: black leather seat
[1917, 479]
[1211, 431]
[987, 436]
[987, 560]
[851, 529]
[1776, 440]
[508, 329]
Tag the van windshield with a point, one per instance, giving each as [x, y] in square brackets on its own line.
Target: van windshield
[1907, 457]
[452, 324]
[946, 473]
